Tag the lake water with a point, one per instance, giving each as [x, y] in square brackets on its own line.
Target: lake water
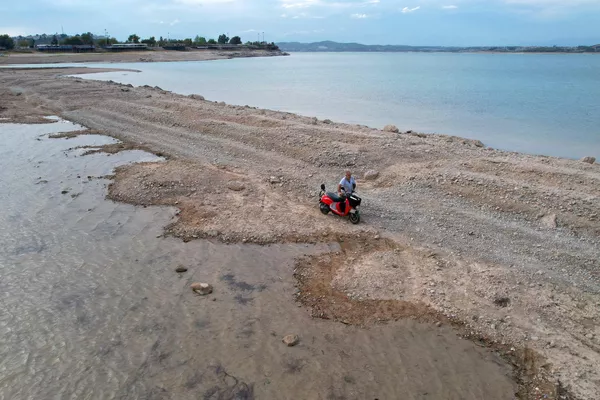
[535, 103]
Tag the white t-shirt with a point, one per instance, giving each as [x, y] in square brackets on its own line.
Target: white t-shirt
[347, 185]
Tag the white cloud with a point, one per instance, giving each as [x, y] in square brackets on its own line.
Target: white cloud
[452, 7]
[407, 10]
[359, 16]
[174, 22]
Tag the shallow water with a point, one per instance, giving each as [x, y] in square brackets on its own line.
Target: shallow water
[92, 308]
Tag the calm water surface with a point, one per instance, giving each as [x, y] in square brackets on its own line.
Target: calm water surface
[535, 103]
[91, 308]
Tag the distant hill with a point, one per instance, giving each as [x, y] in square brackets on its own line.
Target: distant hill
[335, 46]
[329, 46]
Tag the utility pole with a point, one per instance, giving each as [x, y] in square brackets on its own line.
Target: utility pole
[106, 36]
[263, 37]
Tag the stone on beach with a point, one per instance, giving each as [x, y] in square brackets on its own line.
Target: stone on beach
[589, 160]
[549, 221]
[391, 128]
[291, 340]
[201, 288]
[236, 186]
[371, 175]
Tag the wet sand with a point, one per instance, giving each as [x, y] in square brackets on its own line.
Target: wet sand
[502, 246]
[92, 306]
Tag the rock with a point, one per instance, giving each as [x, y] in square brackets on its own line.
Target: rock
[314, 121]
[589, 336]
[236, 186]
[549, 221]
[589, 160]
[291, 340]
[124, 90]
[502, 301]
[391, 128]
[201, 288]
[327, 121]
[196, 97]
[180, 269]
[478, 143]
[371, 175]
[274, 179]
[438, 324]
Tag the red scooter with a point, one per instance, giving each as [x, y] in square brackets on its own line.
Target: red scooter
[340, 206]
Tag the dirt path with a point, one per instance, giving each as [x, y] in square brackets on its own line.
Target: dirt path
[505, 244]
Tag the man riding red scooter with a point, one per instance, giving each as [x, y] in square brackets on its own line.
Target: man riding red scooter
[345, 202]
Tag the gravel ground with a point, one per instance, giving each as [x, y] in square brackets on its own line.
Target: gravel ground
[507, 243]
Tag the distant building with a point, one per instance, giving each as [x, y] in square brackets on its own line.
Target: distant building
[65, 48]
[126, 47]
[178, 47]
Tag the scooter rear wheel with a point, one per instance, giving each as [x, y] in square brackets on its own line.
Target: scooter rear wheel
[324, 208]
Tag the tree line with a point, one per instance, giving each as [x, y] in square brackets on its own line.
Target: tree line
[88, 38]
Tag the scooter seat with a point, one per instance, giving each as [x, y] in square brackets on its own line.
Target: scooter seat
[334, 197]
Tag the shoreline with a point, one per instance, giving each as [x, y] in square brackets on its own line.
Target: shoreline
[485, 237]
[133, 56]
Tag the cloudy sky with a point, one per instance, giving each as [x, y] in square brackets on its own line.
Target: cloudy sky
[413, 22]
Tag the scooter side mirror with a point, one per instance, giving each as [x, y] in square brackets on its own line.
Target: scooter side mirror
[322, 186]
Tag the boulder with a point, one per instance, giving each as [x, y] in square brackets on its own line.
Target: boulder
[589, 160]
[371, 175]
[274, 180]
[201, 288]
[327, 121]
[478, 143]
[391, 128]
[291, 340]
[196, 97]
[236, 186]
[180, 269]
[549, 221]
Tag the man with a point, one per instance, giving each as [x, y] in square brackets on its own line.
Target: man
[345, 188]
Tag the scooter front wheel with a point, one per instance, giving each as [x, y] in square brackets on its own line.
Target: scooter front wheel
[324, 208]
[354, 218]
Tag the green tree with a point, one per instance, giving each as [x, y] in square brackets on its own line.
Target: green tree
[223, 39]
[32, 43]
[133, 38]
[151, 41]
[188, 42]
[54, 41]
[23, 43]
[235, 40]
[73, 40]
[199, 40]
[212, 41]
[7, 42]
[87, 38]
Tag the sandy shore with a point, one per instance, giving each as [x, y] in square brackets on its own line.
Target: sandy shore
[503, 246]
[133, 56]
